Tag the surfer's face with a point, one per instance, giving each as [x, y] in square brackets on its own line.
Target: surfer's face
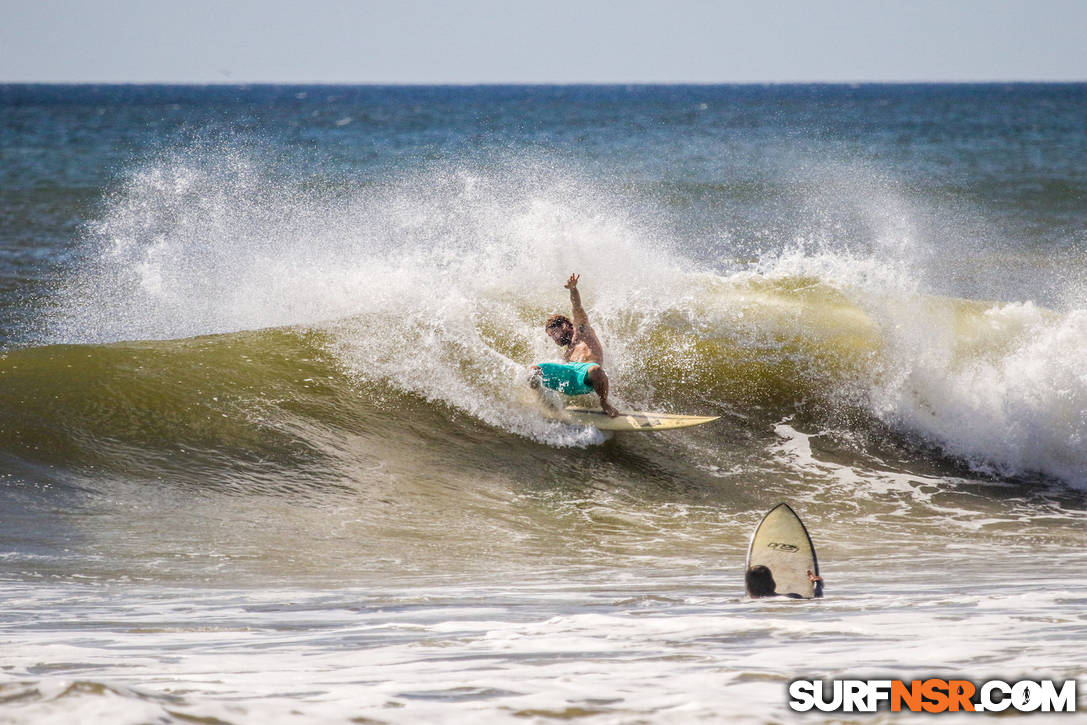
[562, 333]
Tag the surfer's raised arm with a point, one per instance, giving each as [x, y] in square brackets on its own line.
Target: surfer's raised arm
[586, 336]
[581, 318]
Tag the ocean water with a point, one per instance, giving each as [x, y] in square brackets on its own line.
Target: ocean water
[267, 454]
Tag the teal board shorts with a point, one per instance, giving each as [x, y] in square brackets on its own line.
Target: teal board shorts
[567, 378]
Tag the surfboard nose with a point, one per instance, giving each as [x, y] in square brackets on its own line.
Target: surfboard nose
[781, 544]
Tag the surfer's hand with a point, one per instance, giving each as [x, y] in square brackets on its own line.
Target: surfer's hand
[572, 282]
[813, 577]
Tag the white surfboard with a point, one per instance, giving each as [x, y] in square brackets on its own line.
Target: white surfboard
[631, 420]
[781, 543]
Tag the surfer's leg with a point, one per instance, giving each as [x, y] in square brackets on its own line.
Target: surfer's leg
[543, 387]
[599, 380]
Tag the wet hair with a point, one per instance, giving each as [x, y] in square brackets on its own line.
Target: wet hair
[760, 582]
[556, 320]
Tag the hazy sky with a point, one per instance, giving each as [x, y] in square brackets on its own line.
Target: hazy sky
[564, 41]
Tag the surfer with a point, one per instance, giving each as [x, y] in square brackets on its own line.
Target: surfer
[582, 369]
[760, 583]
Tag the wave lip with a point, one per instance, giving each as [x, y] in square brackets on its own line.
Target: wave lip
[1003, 387]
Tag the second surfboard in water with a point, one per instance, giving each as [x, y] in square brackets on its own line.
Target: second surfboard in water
[630, 420]
[781, 543]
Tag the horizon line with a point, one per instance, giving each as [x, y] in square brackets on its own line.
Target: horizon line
[227, 83]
